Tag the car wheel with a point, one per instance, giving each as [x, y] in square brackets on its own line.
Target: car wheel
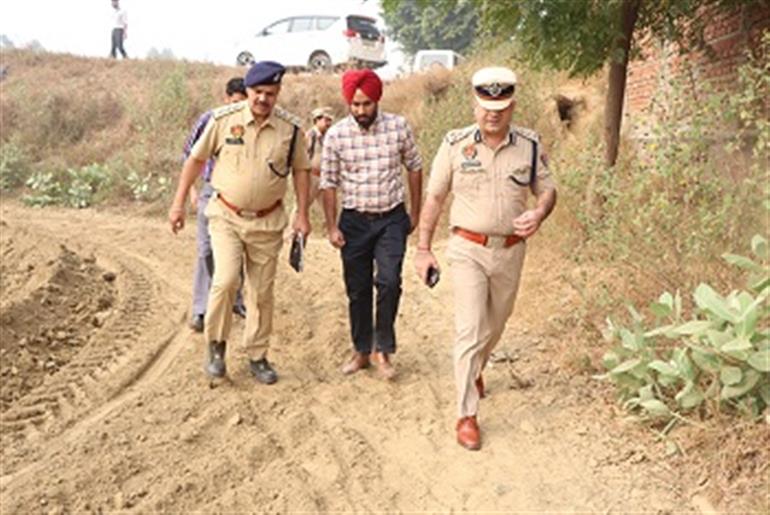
[244, 58]
[320, 62]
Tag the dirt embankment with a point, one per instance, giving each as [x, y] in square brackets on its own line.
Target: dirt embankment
[124, 418]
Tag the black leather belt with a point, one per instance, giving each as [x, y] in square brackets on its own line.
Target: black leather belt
[370, 215]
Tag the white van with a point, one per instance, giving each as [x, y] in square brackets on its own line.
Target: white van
[426, 59]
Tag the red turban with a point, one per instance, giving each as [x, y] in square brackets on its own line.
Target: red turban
[365, 80]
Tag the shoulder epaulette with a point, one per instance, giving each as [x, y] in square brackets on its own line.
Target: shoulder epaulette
[219, 112]
[527, 133]
[456, 135]
[286, 116]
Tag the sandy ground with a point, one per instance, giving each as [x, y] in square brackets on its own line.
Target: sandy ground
[105, 406]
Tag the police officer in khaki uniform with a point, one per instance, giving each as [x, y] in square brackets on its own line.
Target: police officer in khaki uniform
[490, 167]
[257, 146]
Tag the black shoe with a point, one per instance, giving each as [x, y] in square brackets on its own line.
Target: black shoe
[262, 371]
[216, 362]
[196, 323]
[240, 310]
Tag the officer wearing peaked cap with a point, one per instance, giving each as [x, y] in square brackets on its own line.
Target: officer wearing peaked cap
[491, 168]
[257, 145]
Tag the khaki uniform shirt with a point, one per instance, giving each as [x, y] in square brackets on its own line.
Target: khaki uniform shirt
[486, 198]
[252, 169]
[314, 142]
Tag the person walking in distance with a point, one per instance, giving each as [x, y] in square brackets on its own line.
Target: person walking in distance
[119, 30]
[490, 168]
[362, 158]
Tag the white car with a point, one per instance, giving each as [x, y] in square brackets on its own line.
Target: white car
[317, 43]
[427, 59]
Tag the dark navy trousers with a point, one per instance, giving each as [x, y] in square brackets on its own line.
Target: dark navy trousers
[373, 255]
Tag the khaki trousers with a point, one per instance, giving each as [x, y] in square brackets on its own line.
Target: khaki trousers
[236, 246]
[485, 284]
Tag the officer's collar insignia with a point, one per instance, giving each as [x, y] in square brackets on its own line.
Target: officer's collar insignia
[469, 151]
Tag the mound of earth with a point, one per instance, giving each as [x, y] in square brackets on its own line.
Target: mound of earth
[53, 300]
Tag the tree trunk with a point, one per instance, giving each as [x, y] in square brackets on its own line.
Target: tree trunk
[613, 113]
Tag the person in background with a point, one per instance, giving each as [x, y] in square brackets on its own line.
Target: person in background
[322, 119]
[490, 168]
[235, 91]
[363, 155]
[119, 30]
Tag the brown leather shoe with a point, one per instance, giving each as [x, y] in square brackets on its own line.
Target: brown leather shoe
[358, 362]
[480, 386]
[384, 367]
[468, 434]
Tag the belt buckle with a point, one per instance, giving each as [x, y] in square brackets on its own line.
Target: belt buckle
[244, 213]
[496, 242]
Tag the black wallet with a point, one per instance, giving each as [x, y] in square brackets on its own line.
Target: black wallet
[296, 254]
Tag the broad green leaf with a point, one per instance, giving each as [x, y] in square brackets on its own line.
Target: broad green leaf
[742, 262]
[750, 379]
[655, 407]
[730, 375]
[690, 396]
[719, 338]
[660, 310]
[760, 360]
[683, 364]
[628, 340]
[693, 327]
[709, 300]
[625, 366]
[663, 368]
[610, 359]
[738, 344]
[759, 247]
[666, 299]
[748, 322]
[706, 361]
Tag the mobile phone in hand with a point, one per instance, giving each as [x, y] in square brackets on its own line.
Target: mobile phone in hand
[432, 276]
[296, 254]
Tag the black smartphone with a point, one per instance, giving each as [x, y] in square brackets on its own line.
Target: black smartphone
[432, 277]
[296, 254]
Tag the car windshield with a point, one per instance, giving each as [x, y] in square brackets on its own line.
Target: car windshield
[364, 26]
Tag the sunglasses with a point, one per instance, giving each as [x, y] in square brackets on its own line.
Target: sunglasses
[495, 91]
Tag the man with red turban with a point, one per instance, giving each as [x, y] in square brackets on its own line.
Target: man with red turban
[362, 158]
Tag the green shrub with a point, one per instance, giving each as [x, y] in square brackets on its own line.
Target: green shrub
[14, 165]
[720, 356]
[148, 187]
[74, 188]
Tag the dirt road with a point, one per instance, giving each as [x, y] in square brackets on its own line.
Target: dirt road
[105, 405]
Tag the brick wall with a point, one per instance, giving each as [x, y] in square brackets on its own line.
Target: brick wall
[729, 35]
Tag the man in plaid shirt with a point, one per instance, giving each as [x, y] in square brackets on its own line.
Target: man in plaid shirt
[362, 157]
